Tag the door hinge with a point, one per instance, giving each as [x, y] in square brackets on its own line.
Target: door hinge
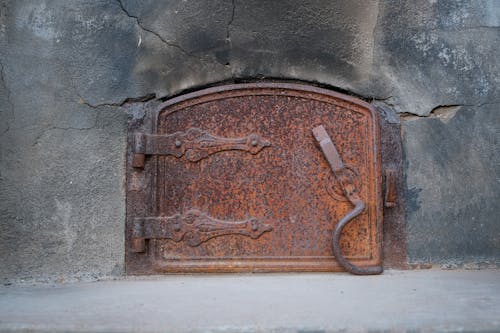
[195, 144]
[194, 228]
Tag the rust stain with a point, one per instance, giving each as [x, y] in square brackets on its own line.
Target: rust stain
[270, 171]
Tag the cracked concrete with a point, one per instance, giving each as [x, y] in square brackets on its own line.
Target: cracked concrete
[228, 27]
[11, 115]
[166, 42]
[443, 112]
[128, 100]
[73, 73]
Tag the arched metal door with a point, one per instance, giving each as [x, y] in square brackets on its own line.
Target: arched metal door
[255, 177]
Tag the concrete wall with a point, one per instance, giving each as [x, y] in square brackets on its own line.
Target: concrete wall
[71, 71]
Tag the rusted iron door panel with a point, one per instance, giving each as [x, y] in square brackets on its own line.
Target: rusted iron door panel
[232, 179]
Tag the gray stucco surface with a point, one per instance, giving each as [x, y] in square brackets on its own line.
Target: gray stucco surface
[453, 187]
[72, 70]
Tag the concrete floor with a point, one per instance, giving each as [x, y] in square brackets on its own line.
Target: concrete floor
[425, 301]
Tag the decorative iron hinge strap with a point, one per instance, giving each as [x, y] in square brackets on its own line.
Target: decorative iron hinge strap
[195, 144]
[193, 227]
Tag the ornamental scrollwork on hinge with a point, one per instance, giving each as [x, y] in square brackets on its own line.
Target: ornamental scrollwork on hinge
[193, 227]
[195, 144]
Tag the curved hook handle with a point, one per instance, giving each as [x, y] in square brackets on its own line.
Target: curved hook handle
[359, 207]
[350, 191]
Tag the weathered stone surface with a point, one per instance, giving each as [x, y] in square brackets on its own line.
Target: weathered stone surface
[178, 44]
[62, 205]
[326, 42]
[66, 66]
[61, 160]
[453, 172]
[439, 53]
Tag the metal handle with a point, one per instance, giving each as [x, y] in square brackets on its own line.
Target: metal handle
[350, 191]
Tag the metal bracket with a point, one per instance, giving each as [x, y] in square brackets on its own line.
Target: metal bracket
[350, 192]
[391, 191]
[195, 144]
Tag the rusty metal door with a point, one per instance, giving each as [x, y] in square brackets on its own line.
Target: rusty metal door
[255, 177]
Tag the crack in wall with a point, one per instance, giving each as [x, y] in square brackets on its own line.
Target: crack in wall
[374, 32]
[229, 41]
[444, 112]
[141, 99]
[64, 129]
[440, 109]
[8, 95]
[386, 100]
[128, 100]
[230, 23]
[462, 29]
[163, 40]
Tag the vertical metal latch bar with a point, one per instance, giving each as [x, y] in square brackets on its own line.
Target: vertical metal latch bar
[351, 192]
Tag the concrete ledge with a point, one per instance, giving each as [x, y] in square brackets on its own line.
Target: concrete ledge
[431, 300]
